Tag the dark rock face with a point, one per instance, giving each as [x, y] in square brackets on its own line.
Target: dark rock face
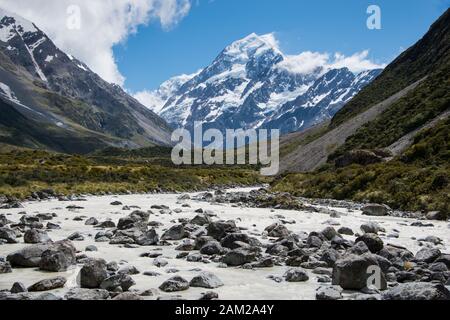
[93, 273]
[352, 272]
[418, 291]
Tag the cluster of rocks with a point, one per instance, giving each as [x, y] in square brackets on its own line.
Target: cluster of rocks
[260, 198]
[365, 265]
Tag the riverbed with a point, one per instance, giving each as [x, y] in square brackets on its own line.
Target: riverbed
[239, 284]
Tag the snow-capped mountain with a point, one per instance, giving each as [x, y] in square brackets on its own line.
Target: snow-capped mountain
[155, 100]
[250, 86]
[65, 92]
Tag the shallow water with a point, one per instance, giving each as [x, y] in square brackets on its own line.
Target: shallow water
[239, 284]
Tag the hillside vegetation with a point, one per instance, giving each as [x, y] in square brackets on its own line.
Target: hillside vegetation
[417, 180]
[23, 172]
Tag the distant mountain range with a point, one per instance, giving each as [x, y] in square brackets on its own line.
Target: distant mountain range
[249, 85]
[51, 100]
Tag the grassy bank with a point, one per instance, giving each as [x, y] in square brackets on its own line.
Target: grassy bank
[23, 172]
[417, 180]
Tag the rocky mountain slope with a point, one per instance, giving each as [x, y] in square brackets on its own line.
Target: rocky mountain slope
[49, 86]
[250, 86]
[390, 144]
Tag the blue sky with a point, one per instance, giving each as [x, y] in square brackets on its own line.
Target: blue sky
[153, 55]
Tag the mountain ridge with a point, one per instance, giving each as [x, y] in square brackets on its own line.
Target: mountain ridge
[67, 90]
[248, 84]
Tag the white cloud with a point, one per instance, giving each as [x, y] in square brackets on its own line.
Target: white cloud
[357, 62]
[150, 99]
[104, 23]
[304, 63]
[307, 62]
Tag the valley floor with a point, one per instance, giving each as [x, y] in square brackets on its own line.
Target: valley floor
[239, 283]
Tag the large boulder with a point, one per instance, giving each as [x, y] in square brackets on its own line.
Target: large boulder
[136, 217]
[5, 267]
[219, 229]
[93, 273]
[206, 280]
[361, 157]
[372, 241]
[428, 255]
[48, 284]
[436, 215]
[329, 293]
[91, 222]
[18, 287]
[177, 232]
[87, 294]
[34, 236]
[330, 256]
[329, 233]
[296, 275]
[371, 227]
[376, 210]
[239, 257]
[277, 230]
[59, 257]
[354, 272]
[123, 281]
[229, 241]
[31, 256]
[201, 220]
[8, 235]
[212, 248]
[417, 291]
[174, 284]
[393, 253]
[445, 258]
